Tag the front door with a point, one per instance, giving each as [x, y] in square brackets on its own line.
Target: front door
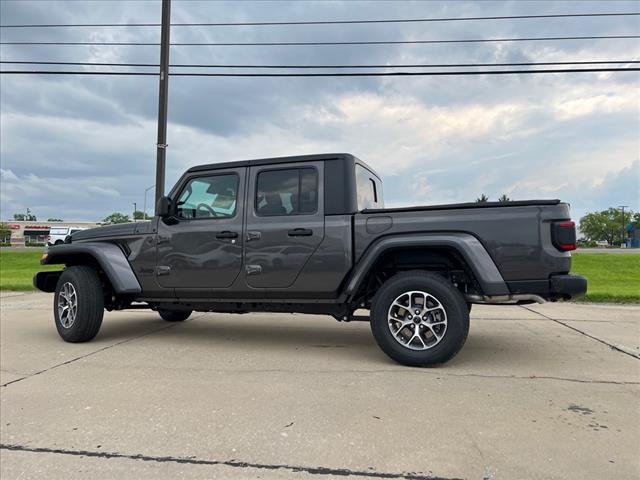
[285, 222]
[201, 246]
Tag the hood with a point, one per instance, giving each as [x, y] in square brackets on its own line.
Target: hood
[116, 230]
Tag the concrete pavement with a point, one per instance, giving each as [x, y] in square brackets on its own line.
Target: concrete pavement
[546, 391]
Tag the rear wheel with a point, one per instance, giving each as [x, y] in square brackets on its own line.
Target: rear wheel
[419, 319]
[174, 315]
[78, 304]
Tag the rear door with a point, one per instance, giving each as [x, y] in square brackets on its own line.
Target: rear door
[285, 222]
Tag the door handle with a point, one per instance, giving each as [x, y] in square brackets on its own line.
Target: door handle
[300, 232]
[227, 234]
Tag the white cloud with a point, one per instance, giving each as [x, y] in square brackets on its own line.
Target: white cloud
[106, 192]
[7, 175]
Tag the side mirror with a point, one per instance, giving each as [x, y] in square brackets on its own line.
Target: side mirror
[164, 207]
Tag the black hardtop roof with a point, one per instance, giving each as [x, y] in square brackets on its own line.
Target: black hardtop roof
[276, 160]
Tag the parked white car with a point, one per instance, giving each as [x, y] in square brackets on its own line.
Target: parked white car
[57, 235]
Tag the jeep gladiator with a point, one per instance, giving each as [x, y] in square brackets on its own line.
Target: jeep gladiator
[310, 234]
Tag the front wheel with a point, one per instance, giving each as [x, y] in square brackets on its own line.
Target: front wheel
[78, 304]
[419, 319]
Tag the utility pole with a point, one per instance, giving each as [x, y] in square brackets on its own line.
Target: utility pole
[135, 208]
[622, 207]
[162, 100]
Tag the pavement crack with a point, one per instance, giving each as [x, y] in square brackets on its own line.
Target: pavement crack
[419, 371]
[107, 347]
[604, 342]
[542, 377]
[343, 472]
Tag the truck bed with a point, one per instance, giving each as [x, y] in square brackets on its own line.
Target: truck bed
[517, 235]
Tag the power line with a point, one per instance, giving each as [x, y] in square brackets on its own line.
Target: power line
[326, 22]
[381, 42]
[404, 65]
[350, 74]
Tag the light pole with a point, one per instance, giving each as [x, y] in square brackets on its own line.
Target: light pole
[622, 207]
[145, 200]
[135, 207]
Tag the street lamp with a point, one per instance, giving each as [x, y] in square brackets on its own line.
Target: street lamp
[145, 200]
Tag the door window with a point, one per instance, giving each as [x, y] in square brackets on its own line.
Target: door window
[209, 197]
[287, 192]
[369, 189]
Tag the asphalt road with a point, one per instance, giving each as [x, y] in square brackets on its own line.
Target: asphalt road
[549, 391]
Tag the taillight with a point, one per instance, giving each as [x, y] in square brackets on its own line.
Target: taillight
[48, 237]
[563, 235]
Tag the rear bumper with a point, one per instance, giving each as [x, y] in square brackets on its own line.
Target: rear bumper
[557, 287]
[567, 286]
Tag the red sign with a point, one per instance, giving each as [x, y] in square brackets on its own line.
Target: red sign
[15, 226]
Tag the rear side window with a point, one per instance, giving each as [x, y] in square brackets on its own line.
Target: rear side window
[291, 191]
[209, 197]
[369, 189]
[59, 231]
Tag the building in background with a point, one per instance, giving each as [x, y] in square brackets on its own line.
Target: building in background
[36, 233]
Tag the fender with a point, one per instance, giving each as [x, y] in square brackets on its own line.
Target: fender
[109, 256]
[468, 246]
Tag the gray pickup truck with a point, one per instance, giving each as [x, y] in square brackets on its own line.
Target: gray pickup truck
[310, 234]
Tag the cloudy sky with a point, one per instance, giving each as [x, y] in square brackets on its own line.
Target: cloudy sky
[81, 147]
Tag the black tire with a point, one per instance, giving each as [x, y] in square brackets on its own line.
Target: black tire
[174, 315]
[89, 301]
[452, 302]
[469, 305]
[58, 242]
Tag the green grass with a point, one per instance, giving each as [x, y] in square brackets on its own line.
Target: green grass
[18, 268]
[612, 277]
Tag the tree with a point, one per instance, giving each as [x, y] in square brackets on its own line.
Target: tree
[482, 199]
[25, 217]
[116, 217]
[504, 199]
[5, 233]
[139, 215]
[606, 225]
[54, 220]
